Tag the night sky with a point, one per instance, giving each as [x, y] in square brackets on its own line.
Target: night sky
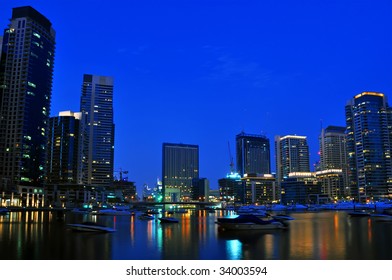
[201, 71]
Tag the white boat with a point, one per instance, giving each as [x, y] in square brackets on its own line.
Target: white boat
[90, 227]
[249, 222]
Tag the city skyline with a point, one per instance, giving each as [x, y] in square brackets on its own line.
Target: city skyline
[200, 73]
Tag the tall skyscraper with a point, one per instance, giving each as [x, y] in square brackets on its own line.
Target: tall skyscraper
[333, 162]
[26, 71]
[65, 146]
[369, 140]
[180, 164]
[292, 155]
[97, 107]
[253, 154]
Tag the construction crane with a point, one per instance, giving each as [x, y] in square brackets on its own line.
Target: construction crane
[231, 158]
[121, 172]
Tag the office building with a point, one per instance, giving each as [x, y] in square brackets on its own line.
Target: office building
[292, 155]
[369, 138]
[180, 164]
[231, 189]
[97, 107]
[300, 188]
[253, 154]
[200, 189]
[260, 189]
[26, 74]
[65, 143]
[333, 168]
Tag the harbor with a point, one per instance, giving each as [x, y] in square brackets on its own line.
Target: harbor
[311, 235]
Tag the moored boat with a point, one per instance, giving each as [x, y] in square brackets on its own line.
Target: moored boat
[114, 212]
[90, 227]
[249, 222]
[358, 214]
[4, 211]
[381, 217]
[168, 220]
[146, 216]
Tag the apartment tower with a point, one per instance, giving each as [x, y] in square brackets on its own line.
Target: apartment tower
[97, 107]
[26, 74]
[180, 164]
[369, 140]
[253, 154]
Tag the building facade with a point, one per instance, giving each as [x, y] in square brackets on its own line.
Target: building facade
[200, 189]
[300, 188]
[253, 154]
[292, 155]
[369, 140]
[231, 189]
[97, 107]
[333, 169]
[260, 189]
[26, 75]
[180, 164]
[65, 149]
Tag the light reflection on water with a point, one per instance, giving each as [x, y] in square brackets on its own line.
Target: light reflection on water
[312, 235]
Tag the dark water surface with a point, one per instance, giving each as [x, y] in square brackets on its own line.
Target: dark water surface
[311, 236]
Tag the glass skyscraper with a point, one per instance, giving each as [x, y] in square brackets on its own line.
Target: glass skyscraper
[253, 154]
[292, 155]
[26, 71]
[180, 164]
[65, 146]
[369, 140]
[97, 107]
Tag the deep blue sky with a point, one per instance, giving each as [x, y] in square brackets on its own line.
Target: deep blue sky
[201, 71]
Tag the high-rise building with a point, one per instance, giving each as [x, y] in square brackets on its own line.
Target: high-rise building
[180, 164]
[369, 140]
[97, 107]
[26, 74]
[333, 169]
[253, 154]
[292, 155]
[65, 147]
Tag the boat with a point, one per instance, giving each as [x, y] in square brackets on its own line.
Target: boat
[358, 214]
[146, 216]
[114, 212]
[81, 210]
[249, 222]
[168, 220]
[381, 217]
[4, 211]
[90, 227]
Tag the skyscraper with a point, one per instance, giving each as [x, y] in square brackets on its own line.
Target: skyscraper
[180, 164]
[253, 154]
[26, 71]
[333, 162]
[369, 140]
[65, 144]
[97, 107]
[292, 155]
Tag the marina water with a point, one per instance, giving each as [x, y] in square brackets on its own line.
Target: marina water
[321, 235]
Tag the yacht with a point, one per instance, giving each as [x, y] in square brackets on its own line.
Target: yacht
[168, 220]
[249, 222]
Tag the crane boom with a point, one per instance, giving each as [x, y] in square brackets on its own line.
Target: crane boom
[231, 158]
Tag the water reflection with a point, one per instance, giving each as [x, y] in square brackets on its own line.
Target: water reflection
[320, 236]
